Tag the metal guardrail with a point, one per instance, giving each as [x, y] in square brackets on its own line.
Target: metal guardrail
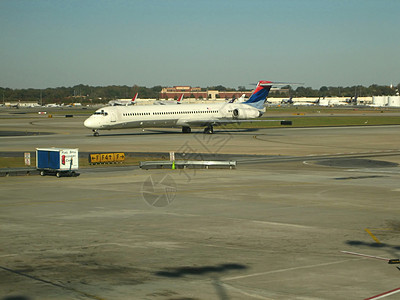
[188, 164]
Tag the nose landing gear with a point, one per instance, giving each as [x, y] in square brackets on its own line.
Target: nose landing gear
[95, 132]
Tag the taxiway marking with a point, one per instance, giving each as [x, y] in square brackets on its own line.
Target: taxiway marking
[285, 270]
[373, 236]
[385, 294]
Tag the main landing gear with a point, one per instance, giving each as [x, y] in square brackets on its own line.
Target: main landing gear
[186, 129]
[209, 129]
[95, 132]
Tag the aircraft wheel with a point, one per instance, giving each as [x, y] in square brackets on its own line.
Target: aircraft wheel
[186, 129]
[209, 130]
[95, 133]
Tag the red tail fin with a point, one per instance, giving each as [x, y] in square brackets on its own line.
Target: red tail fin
[134, 98]
[180, 98]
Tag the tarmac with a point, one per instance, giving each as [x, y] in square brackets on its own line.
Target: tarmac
[272, 228]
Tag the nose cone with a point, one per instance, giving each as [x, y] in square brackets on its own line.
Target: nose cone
[90, 123]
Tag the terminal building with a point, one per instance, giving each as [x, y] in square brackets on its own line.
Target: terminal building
[198, 93]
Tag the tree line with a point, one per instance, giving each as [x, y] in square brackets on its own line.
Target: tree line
[101, 94]
[330, 91]
[78, 93]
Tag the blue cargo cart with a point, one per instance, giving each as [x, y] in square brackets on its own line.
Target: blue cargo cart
[57, 161]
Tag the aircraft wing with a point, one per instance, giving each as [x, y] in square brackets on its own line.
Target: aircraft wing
[216, 122]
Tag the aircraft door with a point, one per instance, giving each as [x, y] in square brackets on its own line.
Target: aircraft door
[113, 117]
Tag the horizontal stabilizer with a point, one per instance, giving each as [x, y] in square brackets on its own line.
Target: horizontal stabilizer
[271, 83]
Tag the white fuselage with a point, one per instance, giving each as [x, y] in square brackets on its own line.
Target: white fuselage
[184, 115]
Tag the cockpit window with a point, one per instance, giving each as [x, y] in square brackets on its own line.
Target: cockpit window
[101, 112]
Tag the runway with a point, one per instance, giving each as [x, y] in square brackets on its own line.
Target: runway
[69, 132]
[271, 229]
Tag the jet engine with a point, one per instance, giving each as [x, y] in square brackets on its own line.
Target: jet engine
[246, 113]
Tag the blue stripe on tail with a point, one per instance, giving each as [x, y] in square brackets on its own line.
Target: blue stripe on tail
[259, 96]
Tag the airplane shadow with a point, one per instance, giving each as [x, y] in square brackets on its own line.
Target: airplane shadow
[209, 271]
[102, 134]
[205, 270]
[216, 130]
[390, 249]
[164, 132]
[15, 298]
[372, 245]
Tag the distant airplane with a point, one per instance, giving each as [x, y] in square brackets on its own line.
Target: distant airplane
[287, 101]
[123, 102]
[183, 115]
[332, 102]
[169, 102]
[305, 103]
[52, 105]
[299, 103]
[17, 105]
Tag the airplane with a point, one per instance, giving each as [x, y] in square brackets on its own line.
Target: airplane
[52, 105]
[331, 102]
[167, 102]
[304, 103]
[298, 102]
[287, 101]
[183, 115]
[123, 102]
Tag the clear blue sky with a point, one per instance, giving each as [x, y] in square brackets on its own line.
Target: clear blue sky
[49, 43]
